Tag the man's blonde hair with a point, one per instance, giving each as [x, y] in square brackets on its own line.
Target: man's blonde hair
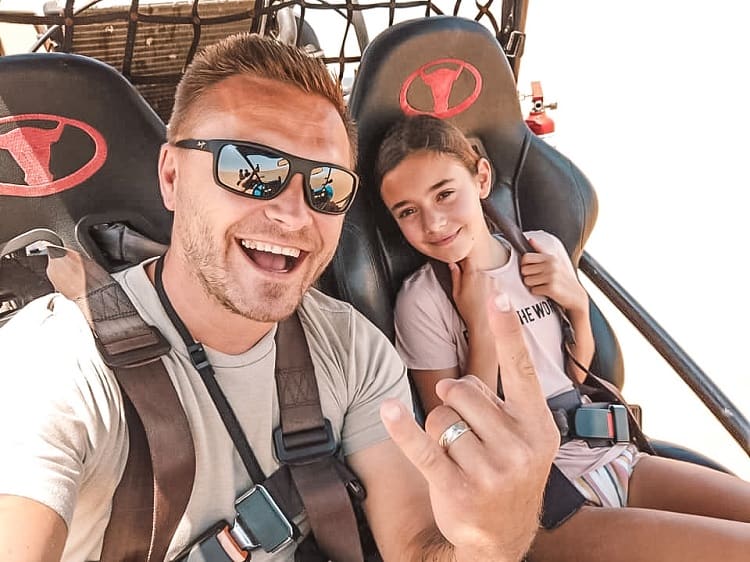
[261, 57]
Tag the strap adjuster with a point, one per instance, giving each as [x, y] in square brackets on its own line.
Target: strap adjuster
[140, 349]
[316, 443]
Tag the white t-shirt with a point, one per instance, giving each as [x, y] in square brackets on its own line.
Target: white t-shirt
[62, 428]
[430, 336]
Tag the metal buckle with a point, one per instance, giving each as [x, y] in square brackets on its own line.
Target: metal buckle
[303, 454]
[260, 522]
[215, 545]
[516, 42]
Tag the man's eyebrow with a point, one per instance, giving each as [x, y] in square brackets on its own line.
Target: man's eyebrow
[433, 187]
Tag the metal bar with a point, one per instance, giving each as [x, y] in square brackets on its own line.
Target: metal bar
[513, 31]
[700, 383]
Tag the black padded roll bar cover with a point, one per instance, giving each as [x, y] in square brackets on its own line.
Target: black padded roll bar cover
[125, 187]
[552, 193]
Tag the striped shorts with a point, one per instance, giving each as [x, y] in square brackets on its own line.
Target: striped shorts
[607, 486]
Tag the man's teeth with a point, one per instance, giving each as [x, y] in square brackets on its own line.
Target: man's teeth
[272, 248]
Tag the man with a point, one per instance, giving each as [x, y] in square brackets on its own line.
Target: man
[243, 256]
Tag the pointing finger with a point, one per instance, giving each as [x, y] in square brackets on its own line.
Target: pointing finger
[520, 382]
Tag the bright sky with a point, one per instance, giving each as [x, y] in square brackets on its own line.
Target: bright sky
[651, 107]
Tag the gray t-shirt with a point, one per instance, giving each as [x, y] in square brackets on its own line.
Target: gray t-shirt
[62, 428]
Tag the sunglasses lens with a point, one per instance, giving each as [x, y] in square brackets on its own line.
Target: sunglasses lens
[332, 190]
[250, 171]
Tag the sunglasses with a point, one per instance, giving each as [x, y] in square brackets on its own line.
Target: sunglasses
[261, 172]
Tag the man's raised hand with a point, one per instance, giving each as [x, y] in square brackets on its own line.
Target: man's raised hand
[486, 486]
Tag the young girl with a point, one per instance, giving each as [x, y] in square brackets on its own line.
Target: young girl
[638, 507]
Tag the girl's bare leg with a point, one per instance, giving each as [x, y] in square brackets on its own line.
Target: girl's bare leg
[676, 511]
[632, 534]
[667, 484]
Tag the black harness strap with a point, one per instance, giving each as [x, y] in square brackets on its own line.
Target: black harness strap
[158, 479]
[309, 477]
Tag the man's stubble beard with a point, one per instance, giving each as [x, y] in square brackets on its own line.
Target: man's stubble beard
[201, 253]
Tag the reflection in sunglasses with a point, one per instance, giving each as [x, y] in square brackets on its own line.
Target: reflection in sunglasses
[256, 183]
[261, 172]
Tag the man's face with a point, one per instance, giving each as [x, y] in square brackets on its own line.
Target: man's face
[255, 258]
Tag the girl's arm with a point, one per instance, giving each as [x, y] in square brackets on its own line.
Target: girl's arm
[425, 381]
[548, 272]
[583, 349]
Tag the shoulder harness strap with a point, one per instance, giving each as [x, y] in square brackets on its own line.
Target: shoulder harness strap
[305, 444]
[158, 478]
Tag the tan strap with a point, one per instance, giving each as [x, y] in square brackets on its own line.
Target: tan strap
[158, 479]
[303, 426]
[329, 510]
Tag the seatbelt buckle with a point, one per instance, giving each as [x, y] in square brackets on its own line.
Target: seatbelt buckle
[215, 545]
[260, 523]
[620, 422]
[602, 421]
[308, 446]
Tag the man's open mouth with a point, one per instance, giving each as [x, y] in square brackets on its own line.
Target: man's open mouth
[271, 257]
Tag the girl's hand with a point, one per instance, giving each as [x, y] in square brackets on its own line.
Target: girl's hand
[470, 292]
[549, 273]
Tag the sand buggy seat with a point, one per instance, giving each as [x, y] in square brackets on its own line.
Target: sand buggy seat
[78, 157]
[454, 68]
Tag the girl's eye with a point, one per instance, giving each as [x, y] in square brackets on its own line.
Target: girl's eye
[444, 194]
[405, 213]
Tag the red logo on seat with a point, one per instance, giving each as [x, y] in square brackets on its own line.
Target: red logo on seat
[30, 146]
[441, 78]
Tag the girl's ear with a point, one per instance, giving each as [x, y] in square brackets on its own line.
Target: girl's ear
[484, 177]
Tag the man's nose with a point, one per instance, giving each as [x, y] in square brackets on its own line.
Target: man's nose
[290, 208]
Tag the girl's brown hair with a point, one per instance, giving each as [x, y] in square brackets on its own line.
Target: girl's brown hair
[423, 132]
[427, 133]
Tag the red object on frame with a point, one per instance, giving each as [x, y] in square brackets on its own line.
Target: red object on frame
[538, 121]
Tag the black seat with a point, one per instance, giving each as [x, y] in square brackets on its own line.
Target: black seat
[78, 153]
[455, 69]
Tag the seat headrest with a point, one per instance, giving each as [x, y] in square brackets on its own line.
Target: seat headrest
[78, 147]
[448, 67]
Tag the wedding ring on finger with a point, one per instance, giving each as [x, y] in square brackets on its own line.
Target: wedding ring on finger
[453, 432]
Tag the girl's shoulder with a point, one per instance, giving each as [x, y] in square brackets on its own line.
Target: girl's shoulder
[421, 277]
[421, 290]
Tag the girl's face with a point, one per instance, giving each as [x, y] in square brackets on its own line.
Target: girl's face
[436, 202]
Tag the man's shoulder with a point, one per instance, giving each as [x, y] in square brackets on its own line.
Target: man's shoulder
[336, 320]
[317, 300]
[49, 343]
[47, 316]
